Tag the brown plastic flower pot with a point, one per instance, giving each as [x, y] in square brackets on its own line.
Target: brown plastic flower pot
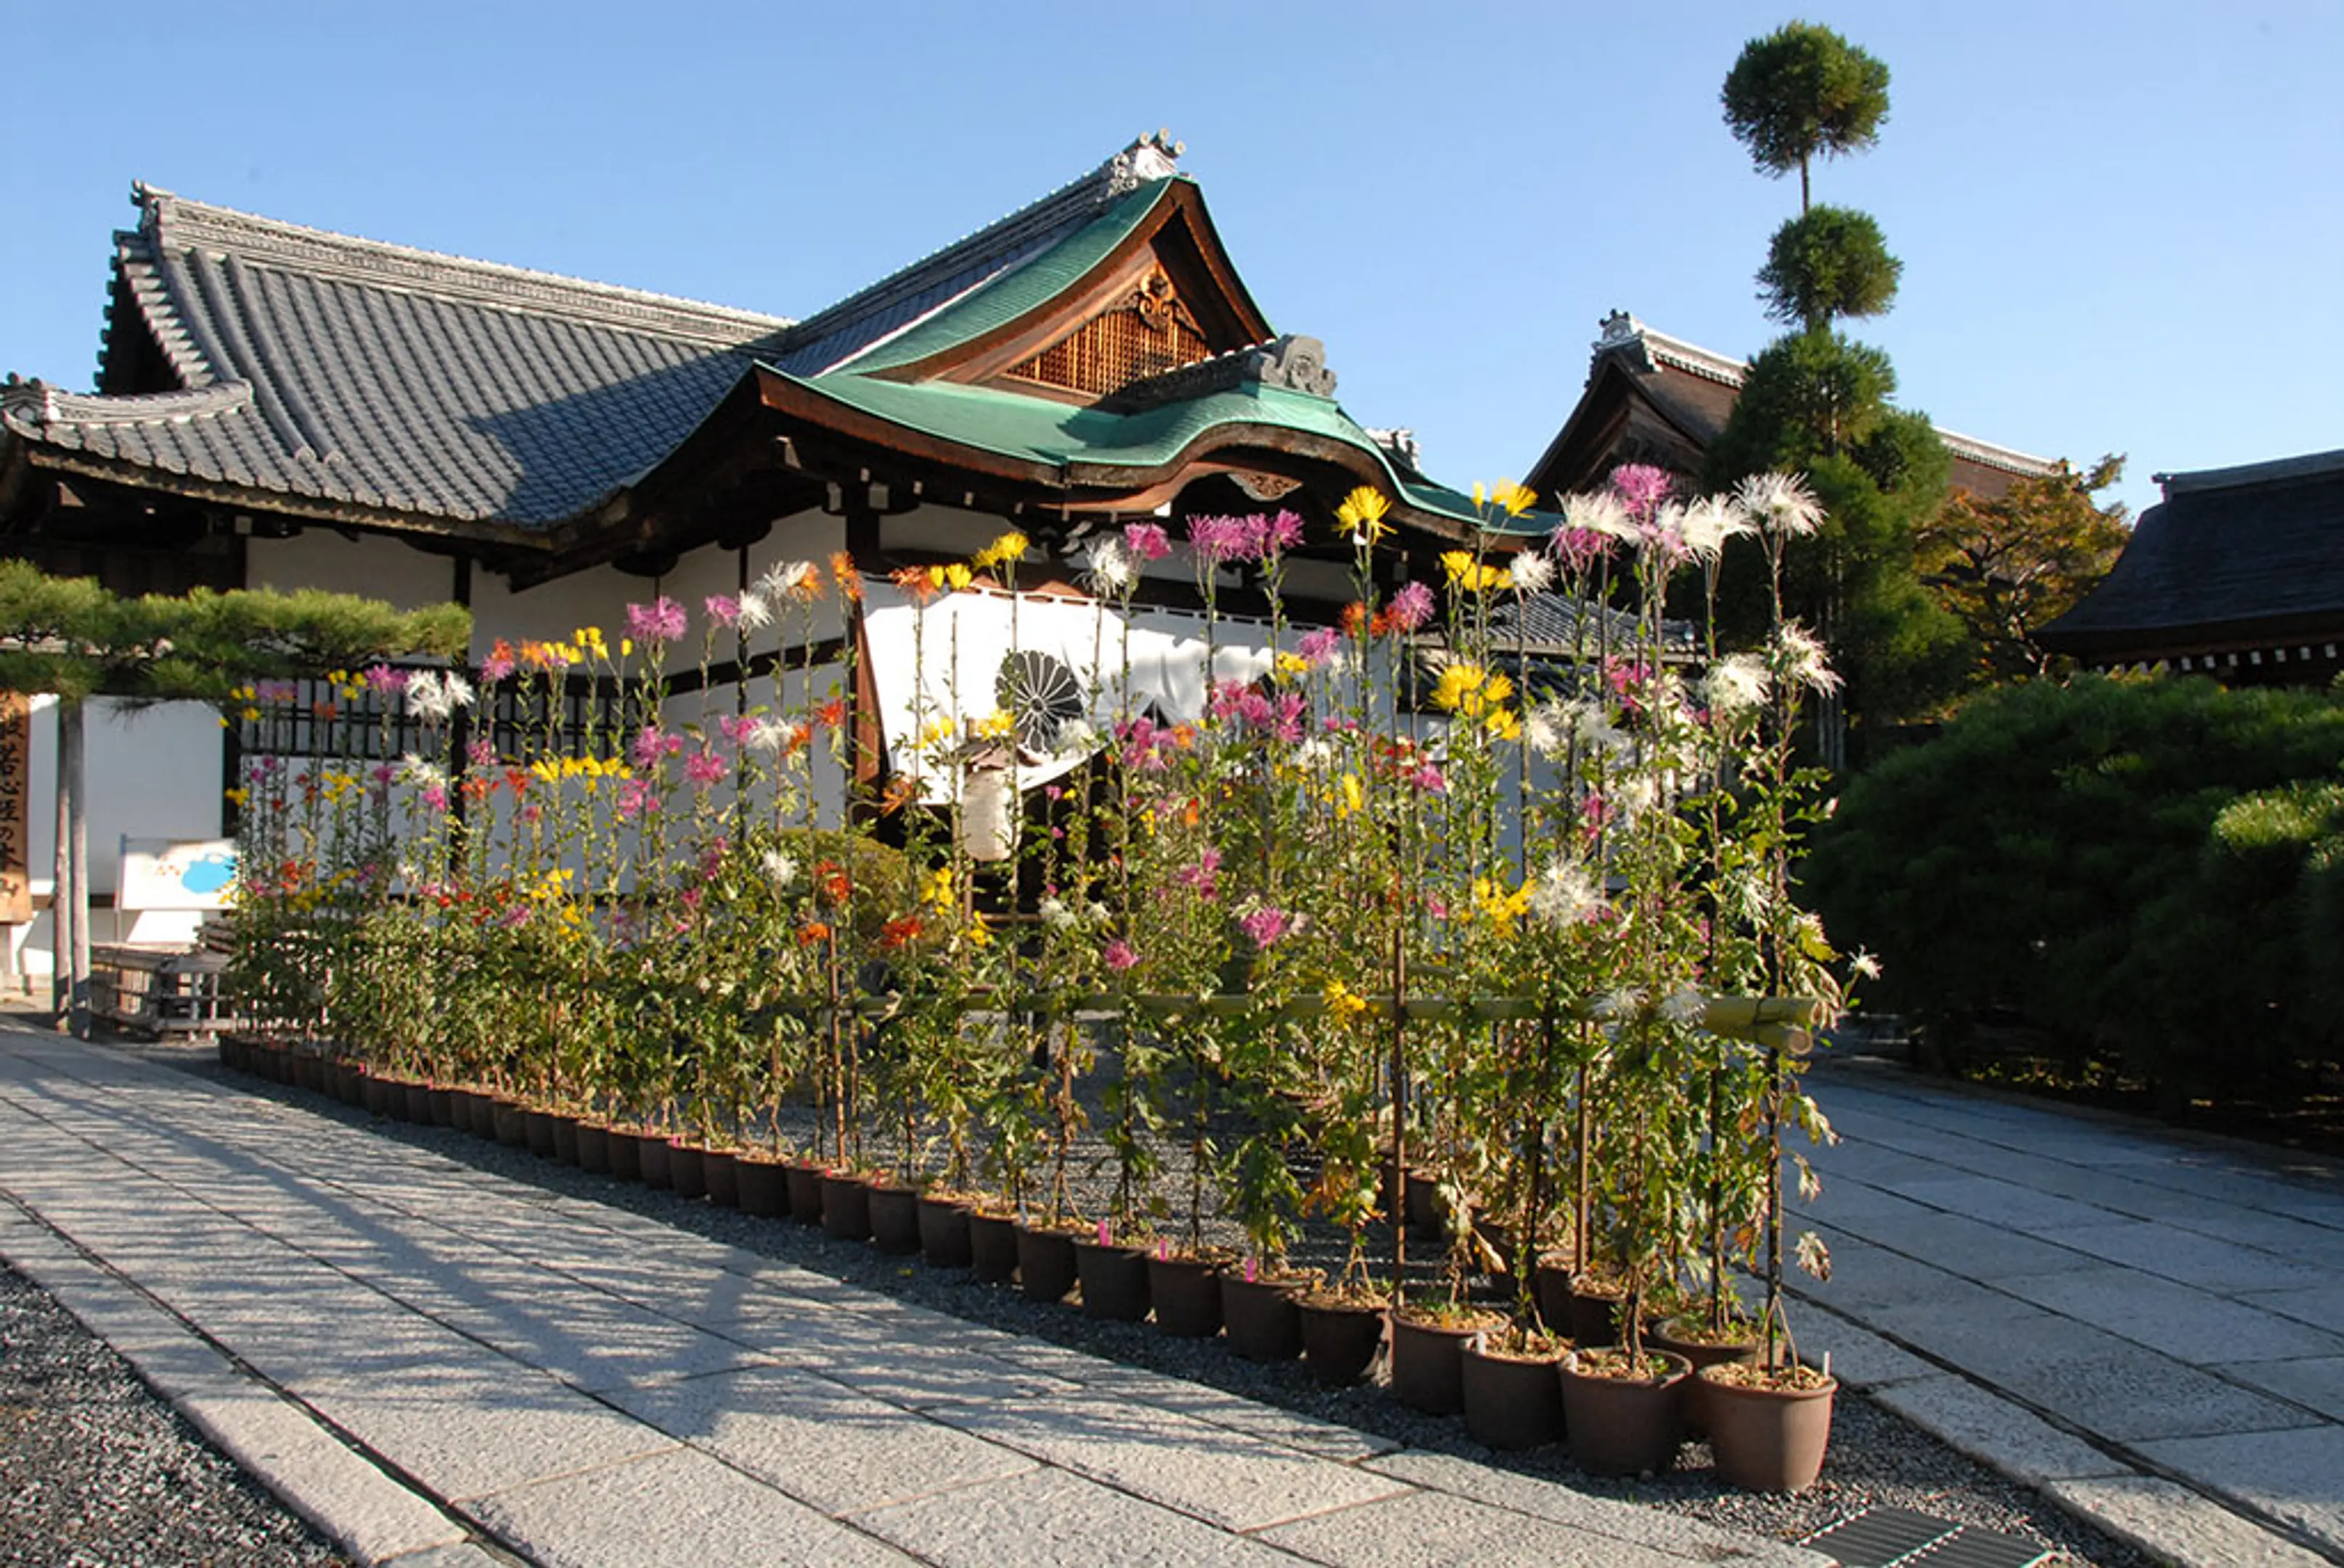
[538, 1129]
[1339, 1338]
[626, 1152]
[764, 1186]
[594, 1149]
[1114, 1279]
[1045, 1263]
[1427, 1367]
[1187, 1293]
[720, 1171]
[1512, 1402]
[846, 1207]
[803, 1179]
[1622, 1426]
[993, 1247]
[565, 1140]
[1259, 1317]
[944, 1232]
[1768, 1440]
[686, 1173]
[895, 1219]
[650, 1158]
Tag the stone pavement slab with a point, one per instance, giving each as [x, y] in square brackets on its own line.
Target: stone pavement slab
[1048, 1518]
[679, 1506]
[2293, 1476]
[817, 1440]
[1205, 1470]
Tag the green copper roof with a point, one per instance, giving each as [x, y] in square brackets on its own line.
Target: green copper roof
[1039, 430]
[1022, 289]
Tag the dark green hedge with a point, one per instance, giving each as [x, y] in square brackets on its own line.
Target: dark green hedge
[2145, 877]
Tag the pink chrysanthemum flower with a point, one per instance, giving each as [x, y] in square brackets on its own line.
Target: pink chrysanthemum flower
[1147, 540]
[723, 609]
[1412, 606]
[1119, 955]
[661, 620]
[1640, 487]
[1267, 925]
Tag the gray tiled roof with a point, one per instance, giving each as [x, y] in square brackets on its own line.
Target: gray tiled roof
[349, 376]
[1558, 622]
[2229, 554]
[349, 373]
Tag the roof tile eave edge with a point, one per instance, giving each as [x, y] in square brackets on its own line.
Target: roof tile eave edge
[321, 509]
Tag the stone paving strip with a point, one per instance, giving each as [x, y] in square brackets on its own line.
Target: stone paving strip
[436, 1365]
[2147, 1325]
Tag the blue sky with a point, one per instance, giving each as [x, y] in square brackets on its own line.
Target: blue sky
[2119, 222]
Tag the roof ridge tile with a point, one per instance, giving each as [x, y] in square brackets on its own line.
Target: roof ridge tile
[173, 222]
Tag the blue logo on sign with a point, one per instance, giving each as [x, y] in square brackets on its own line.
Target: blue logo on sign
[209, 875]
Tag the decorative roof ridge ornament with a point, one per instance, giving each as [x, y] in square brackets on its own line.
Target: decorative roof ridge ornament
[1290, 363]
[35, 402]
[1147, 159]
[1401, 445]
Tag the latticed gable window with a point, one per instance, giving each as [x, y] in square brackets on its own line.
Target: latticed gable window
[1151, 332]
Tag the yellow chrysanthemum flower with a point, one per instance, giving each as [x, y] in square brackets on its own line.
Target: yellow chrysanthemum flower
[1343, 1003]
[1362, 512]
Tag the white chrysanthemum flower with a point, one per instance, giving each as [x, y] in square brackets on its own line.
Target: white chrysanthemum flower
[457, 689]
[781, 869]
[1636, 794]
[1112, 565]
[1313, 754]
[756, 612]
[1055, 915]
[1546, 729]
[414, 770]
[1077, 735]
[1596, 733]
[1737, 684]
[1780, 503]
[1602, 512]
[1707, 523]
[765, 734]
[1685, 1004]
[1621, 1004]
[1799, 658]
[782, 578]
[427, 696]
[1532, 571]
[1565, 893]
[1097, 912]
[1863, 967]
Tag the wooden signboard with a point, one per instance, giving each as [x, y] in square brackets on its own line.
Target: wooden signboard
[15, 808]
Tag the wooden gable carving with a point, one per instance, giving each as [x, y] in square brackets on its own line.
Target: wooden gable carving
[1146, 332]
[1163, 297]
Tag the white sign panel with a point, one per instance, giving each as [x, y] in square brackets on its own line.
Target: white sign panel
[175, 874]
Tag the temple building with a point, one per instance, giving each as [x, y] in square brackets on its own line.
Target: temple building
[1653, 399]
[2238, 573]
[276, 406]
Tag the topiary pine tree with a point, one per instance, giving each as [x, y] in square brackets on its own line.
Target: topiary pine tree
[1817, 400]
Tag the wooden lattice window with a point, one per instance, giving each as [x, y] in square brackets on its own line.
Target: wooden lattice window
[1148, 334]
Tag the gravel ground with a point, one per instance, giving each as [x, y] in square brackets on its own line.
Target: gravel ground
[96, 1470]
[1876, 1457]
